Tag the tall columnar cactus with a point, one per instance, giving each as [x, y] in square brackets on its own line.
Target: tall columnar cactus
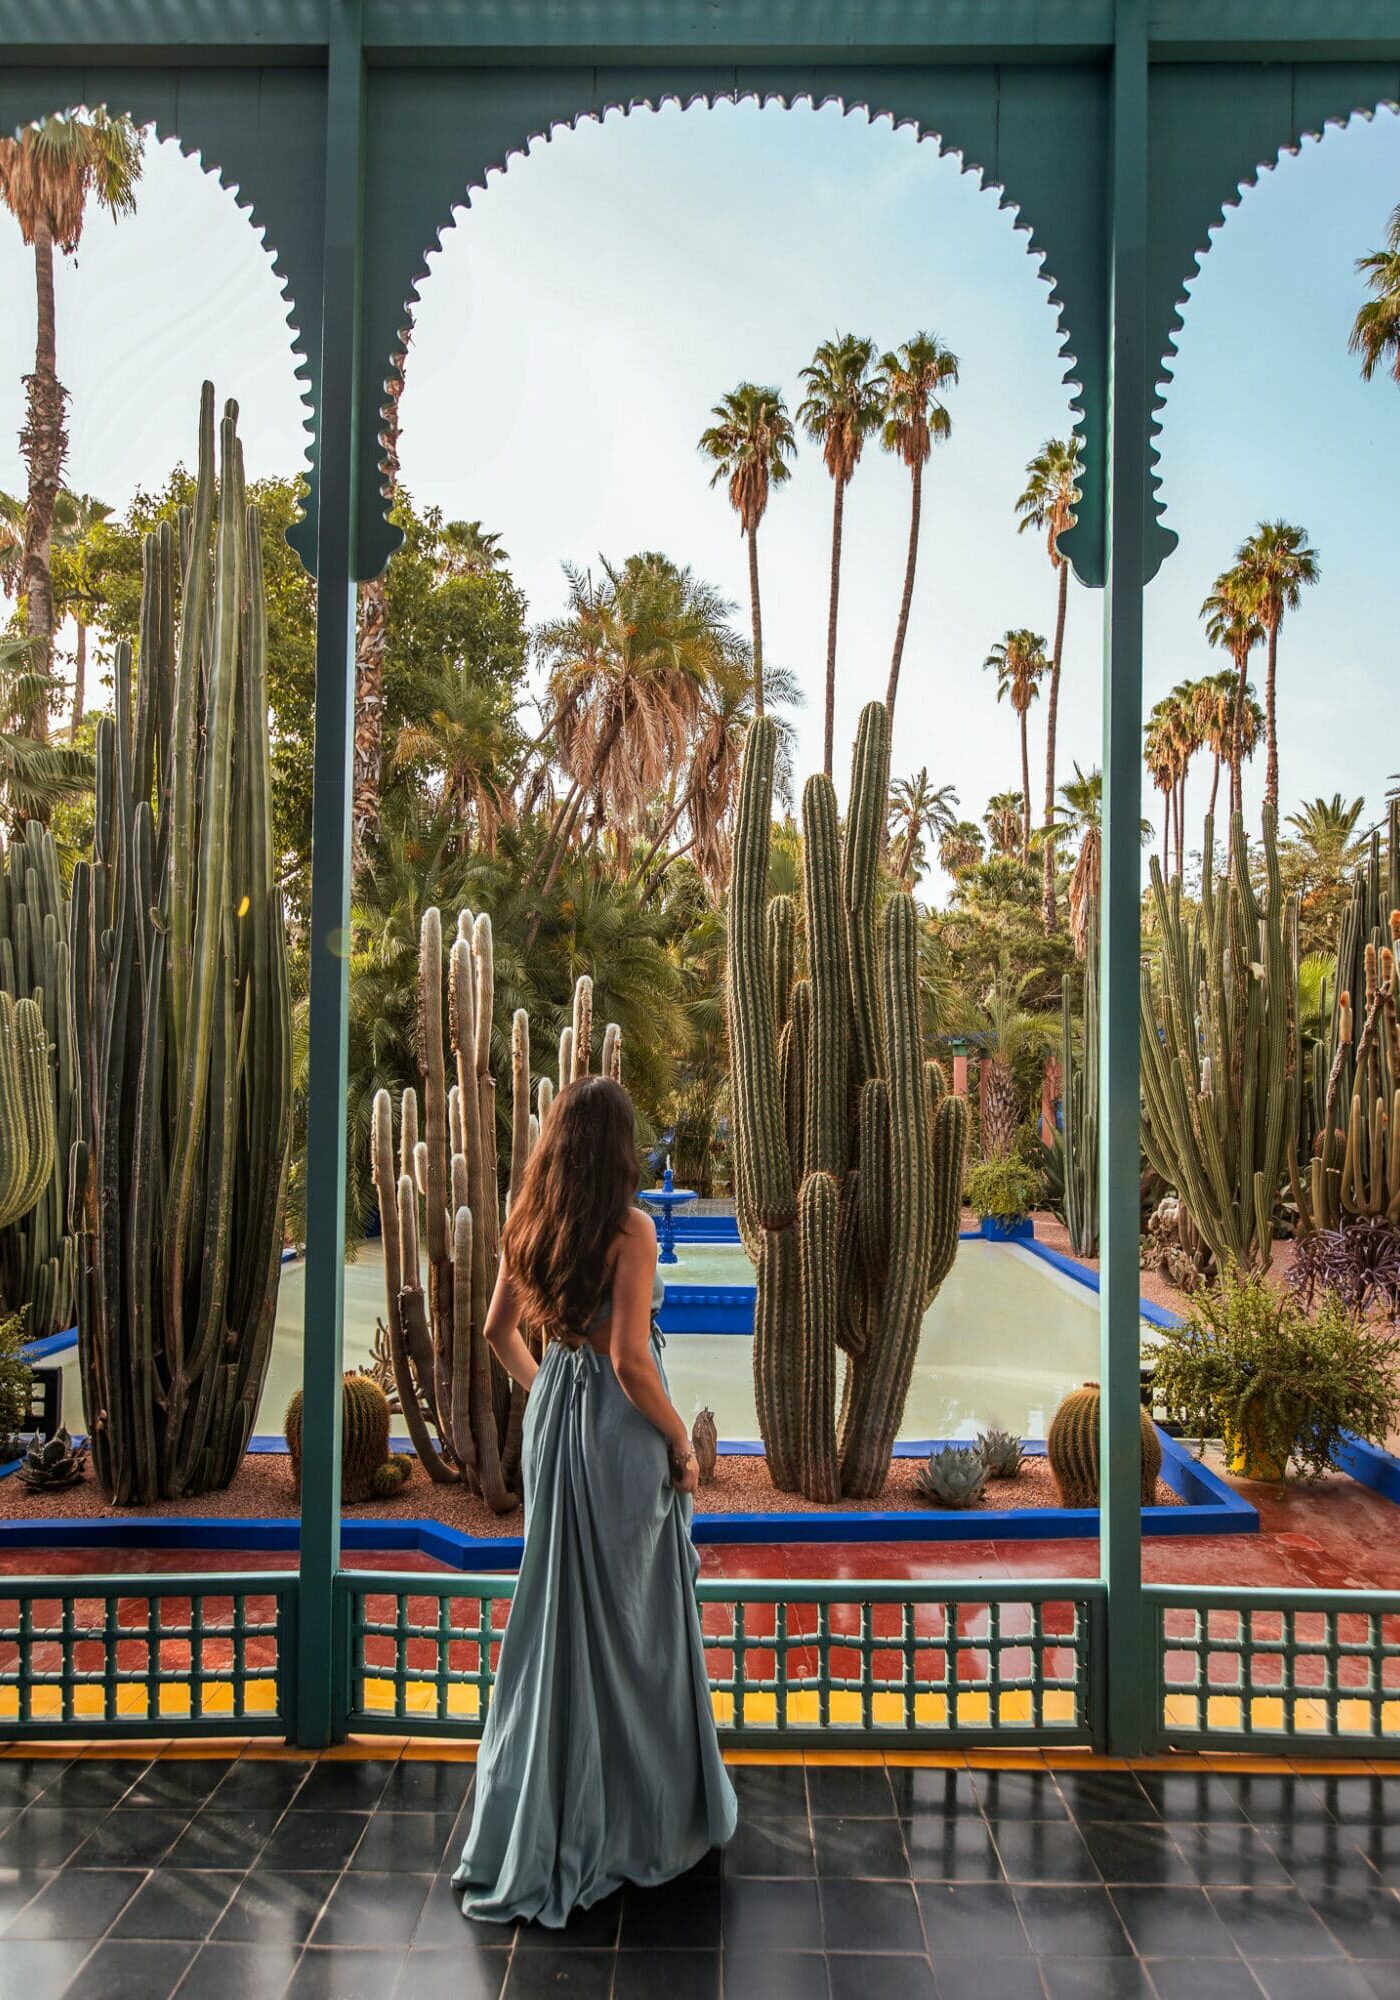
[848, 1151]
[1219, 1049]
[26, 1111]
[1353, 1167]
[182, 1020]
[1080, 1085]
[38, 1251]
[439, 1199]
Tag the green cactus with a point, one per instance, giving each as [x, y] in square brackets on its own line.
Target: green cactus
[26, 1109]
[1001, 1453]
[1072, 1447]
[368, 1469]
[439, 1199]
[956, 1476]
[1352, 1137]
[1079, 1074]
[38, 1250]
[1219, 1049]
[182, 1021]
[848, 1152]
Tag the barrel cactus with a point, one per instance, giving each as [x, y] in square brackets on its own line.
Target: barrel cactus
[848, 1150]
[38, 1249]
[182, 1022]
[1072, 1447]
[368, 1470]
[956, 1476]
[438, 1195]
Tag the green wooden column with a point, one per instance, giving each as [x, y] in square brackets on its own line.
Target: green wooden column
[317, 1654]
[1120, 1455]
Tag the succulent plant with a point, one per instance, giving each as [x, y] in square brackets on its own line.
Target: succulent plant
[1218, 1040]
[368, 1470]
[848, 1150]
[1072, 1447]
[705, 1443]
[51, 1463]
[438, 1193]
[182, 1013]
[953, 1477]
[38, 1250]
[1001, 1453]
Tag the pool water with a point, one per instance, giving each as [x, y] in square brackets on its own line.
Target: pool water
[1004, 1340]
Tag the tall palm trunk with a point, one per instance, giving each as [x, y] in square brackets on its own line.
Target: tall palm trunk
[756, 610]
[1052, 711]
[1025, 790]
[44, 444]
[838, 509]
[1166, 833]
[371, 650]
[1181, 826]
[1271, 721]
[1214, 782]
[910, 563]
[79, 678]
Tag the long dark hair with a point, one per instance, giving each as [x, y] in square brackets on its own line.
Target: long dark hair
[581, 1180]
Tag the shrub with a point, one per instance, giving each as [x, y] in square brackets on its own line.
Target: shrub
[14, 1378]
[1255, 1367]
[1005, 1188]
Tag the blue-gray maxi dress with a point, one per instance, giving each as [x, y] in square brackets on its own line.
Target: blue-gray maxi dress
[599, 1762]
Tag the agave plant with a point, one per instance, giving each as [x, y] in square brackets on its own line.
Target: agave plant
[1001, 1453]
[956, 1477]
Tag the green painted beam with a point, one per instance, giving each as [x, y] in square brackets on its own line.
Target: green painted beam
[330, 885]
[1127, 522]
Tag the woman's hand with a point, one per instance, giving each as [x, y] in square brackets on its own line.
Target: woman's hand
[685, 1472]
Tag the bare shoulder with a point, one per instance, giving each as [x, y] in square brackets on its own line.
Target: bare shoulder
[639, 1231]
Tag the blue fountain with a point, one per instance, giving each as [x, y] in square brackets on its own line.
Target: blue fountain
[667, 1198]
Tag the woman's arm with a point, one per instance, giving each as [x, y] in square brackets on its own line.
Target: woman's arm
[503, 1331]
[634, 1269]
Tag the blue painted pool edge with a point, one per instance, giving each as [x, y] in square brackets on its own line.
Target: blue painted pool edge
[1370, 1466]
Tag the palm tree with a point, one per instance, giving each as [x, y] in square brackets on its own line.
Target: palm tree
[1232, 621]
[845, 402]
[47, 176]
[629, 667]
[467, 742]
[469, 549]
[1047, 503]
[1019, 663]
[1280, 565]
[918, 808]
[915, 418]
[751, 442]
[1375, 333]
[1328, 827]
[1011, 1035]
[1081, 817]
[1004, 819]
[960, 847]
[1186, 732]
[1215, 708]
[372, 648]
[1160, 756]
[34, 777]
[77, 517]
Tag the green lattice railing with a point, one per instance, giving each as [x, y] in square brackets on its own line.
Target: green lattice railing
[873, 1662]
[1309, 1670]
[134, 1655]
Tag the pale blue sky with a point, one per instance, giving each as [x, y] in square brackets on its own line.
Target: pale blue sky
[589, 307]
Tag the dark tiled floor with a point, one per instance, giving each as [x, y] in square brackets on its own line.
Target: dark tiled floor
[262, 1878]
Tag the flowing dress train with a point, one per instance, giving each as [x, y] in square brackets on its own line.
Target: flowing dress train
[599, 1761]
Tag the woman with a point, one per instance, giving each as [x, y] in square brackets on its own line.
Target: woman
[599, 1763]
